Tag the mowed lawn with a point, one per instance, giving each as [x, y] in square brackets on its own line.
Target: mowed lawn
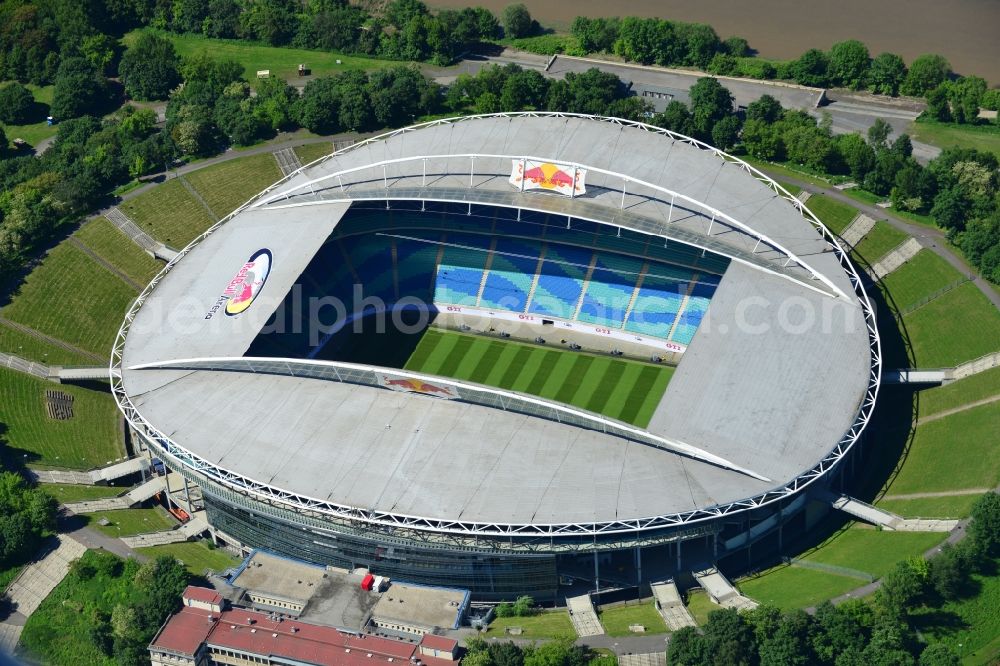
[952, 506]
[921, 276]
[14, 341]
[34, 132]
[169, 213]
[228, 185]
[616, 621]
[310, 152]
[699, 605]
[790, 587]
[625, 390]
[73, 298]
[126, 522]
[875, 552]
[958, 326]
[881, 239]
[963, 392]
[196, 556]
[91, 438]
[114, 247]
[955, 452]
[282, 62]
[547, 624]
[980, 137]
[66, 493]
[835, 215]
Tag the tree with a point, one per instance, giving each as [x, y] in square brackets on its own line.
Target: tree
[737, 46]
[271, 21]
[901, 588]
[516, 21]
[686, 648]
[150, 68]
[318, 106]
[763, 141]
[938, 654]
[886, 74]
[676, 118]
[938, 104]
[811, 68]
[837, 632]
[16, 104]
[189, 15]
[849, 62]
[726, 132]
[766, 109]
[965, 96]
[710, 103]
[789, 645]
[101, 50]
[878, 134]
[859, 157]
[79, 90]
[729, 638]
[984, 529]
[926, 73]
[223, 18]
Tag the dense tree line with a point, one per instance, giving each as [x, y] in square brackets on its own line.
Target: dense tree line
[559, 652]
[857, 632]
[27, 515]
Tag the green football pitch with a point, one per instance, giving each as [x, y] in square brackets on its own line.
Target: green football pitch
[625, 390]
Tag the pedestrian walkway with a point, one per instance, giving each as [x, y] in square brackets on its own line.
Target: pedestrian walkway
[667, 599]
[120, 469]
[104, 504]
[721, 591]
[648, 659]
[192, 528]
[147, 490]
[803, 195]
[138, 236]
[886, 519]
[895, 258]
[21, 365]
[582, 615]
[67, 476]
[288, 161]
[857, 230]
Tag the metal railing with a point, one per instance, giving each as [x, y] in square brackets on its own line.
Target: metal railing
[263, 491]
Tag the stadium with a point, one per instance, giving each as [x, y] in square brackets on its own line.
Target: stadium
[514, 353]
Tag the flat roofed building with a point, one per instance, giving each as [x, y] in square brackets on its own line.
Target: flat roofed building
[419, 609]
[279, 584]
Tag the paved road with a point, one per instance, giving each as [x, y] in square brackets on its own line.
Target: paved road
[928, 237]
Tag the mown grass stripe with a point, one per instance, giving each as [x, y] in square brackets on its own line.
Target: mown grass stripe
[473, 356]
[611, 377]
[420, 360]
[503, 365]
[639, 394]
[554, 380]
[573, 381]
[491, 356]
[622, 391]
[591, 381]
[455, 356]
[543, 372]
[653, 396]
[515, 368]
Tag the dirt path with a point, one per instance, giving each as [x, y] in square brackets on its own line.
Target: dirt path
[956, 410]
[38, 335]
[943, 493]
[110, 267]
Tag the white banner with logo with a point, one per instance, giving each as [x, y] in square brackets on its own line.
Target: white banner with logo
[565, 179]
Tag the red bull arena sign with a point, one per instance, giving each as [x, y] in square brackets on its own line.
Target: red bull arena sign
[410, 385]
[241, 291]
[566, 179]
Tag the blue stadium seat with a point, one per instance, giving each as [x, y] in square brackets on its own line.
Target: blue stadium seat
[560, 282]
[511, 273]
[461, 270]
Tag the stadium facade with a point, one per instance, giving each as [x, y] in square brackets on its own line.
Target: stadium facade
[600, 229]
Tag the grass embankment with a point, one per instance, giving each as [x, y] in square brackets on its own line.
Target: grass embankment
[548, 624]
[621, 389]
[169, 213]
[14, 341]
[90, 439]
[699, 605]
[947, 135]
[72, 297]
[282, 62]
[835, 215]
[616, 621]
[951, 506]
[114, 247]
[920, 277]
[790, 587]
[971, 627]
[963, 392]
[958, 326]
[196, 556]
[310, 152]
[879, 241]
[228, 185]
[66, 493]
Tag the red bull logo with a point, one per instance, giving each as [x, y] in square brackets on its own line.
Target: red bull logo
[241, 291]
[562, 178]
[416, 386]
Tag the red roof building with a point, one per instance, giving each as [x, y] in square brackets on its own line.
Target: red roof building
[195, 636]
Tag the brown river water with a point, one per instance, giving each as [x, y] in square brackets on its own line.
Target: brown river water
[967, 32]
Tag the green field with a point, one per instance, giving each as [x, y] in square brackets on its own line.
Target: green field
[281, 61]
[310, 152]
[169, 213]
[625, 390]
[73, 298]
[700, 606]
[547, 624]
[29, 347]
[881, 239]
[953, 506]
[228, 185]
[872, 551]
[921, 276]
[33, 133]
[959, 326]
[66, 493]
[117, 249]
[835, 215]
[963, 392]
[196, 556]
[957, 451]
[90, 439]
[127, 522]
[617, 620]
[971, 626]
[980, 137]
[790, 587]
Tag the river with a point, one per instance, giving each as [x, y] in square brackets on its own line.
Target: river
[966, 32]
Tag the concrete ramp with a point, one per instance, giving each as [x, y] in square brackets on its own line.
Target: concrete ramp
[106, 504]
[895, 258]
[62, 476]
[583, 616]
[668, 602]
[191, 528]
[925, 525]
[981, 364]
[721, 591]
[91, 373]
[195, 526]
[22, 365]
[864, 511]
[118, 470]
[915, 376]
[857, 229]
[34, 583]
[145, 491]
[287, 160]
[803, 195]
